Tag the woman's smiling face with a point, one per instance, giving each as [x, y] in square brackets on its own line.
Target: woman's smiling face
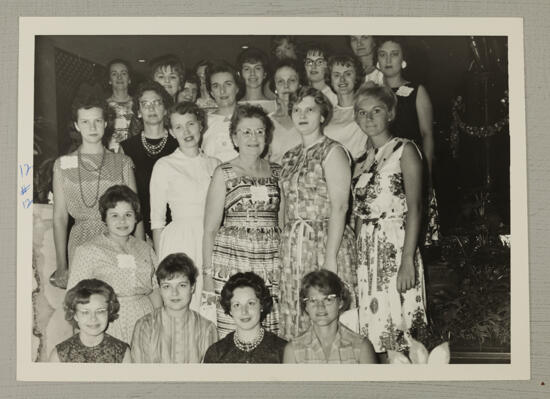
[245, 308]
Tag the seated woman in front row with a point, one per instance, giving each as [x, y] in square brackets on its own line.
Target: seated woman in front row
[173, 333]
[248, 301]
[91, 305]
[324, 296]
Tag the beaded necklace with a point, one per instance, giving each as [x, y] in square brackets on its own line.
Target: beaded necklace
[98, 169]
[248, 346]
[153, 149]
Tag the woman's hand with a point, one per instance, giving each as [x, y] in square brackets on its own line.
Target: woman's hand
[405, 275]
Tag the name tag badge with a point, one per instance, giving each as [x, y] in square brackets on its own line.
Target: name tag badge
[259, 193]
[69, 162]
[404, 91]
[126, 261]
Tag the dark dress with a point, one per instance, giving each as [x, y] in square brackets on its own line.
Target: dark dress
[406, 123]
[110, 350]
[270, 350]
[144, 163]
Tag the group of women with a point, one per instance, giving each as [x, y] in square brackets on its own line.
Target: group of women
[252, 174]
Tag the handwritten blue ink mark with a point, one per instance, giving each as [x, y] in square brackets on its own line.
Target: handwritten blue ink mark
[26, 167]
[24, 189]
[27, 203]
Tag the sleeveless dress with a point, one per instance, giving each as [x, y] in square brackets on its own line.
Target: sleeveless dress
[304, 237]
[84, 180]
[380, 203]
[406, 125]
[248, 240]
[110, 350]
[283, 140]
[129, 271]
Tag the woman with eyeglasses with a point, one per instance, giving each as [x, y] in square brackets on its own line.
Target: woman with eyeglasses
[317, 72]
[324, 297]
[244, 195]
[150, 105]
[387, 210]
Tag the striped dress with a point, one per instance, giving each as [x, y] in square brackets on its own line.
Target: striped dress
[248, 240]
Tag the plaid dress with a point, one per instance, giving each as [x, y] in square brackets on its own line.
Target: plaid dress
[248, 240]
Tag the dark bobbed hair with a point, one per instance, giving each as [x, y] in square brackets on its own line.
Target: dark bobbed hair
[115, 194]
[219, 67]
[118, 61]
[177, 264]
[286, 63]
[168, 60]
[320, 99]
[243, 111]
[252, 55]
[88, 101]
[381, 93]
[348, 59]
[277, 40]
[81, 293]
[400, 40]
[328, 283]
[317, 48]
[248, 279]
[187, 107]
[156, 87]
[191, 77]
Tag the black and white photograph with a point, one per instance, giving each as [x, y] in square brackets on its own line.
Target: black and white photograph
[338, 193]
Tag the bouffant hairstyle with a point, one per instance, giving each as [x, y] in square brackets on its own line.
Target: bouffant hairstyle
[177, 264]
[88, 101]
[118, 61]
[320, 99]
[243, 111]
[115, 194]
[286, 63]
[248, 279]
[81, 293]
[328, 283]
[381, 93]
[400, 40]
[156, 87]
[219, 67]
[187, 107]
[348, 60]
[252, 55]
[168, 60]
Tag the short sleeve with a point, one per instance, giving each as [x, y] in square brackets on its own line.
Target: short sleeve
[81, 267]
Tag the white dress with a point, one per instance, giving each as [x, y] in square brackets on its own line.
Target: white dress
[181, 182]
[343, 128]
[268, 106]
[216, 141]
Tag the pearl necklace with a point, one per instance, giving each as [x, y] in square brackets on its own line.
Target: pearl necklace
[248, 346]
[153, 149]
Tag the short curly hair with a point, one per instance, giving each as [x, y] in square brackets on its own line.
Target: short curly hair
[177, 264]
[400, 40]
[81, 293]
[119, 193]
[117, 61]
[381, 93]
[168, 60]
[248, 279]
[320, 99]
[243, 111]
[88, 101]
[156, 87]
[328, 283]
[348, 59]
[186, 107]
[286, 63]
[219, 67]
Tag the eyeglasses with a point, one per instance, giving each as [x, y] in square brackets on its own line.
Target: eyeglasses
[151, 103]
[326, 300]
[87, 314]
[319, 62]
[248, 133]
[361, 113]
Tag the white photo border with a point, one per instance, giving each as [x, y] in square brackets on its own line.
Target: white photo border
[519, 368]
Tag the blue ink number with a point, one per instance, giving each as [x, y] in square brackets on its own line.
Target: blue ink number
[27, 203]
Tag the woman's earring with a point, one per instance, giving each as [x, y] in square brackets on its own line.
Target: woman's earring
[377, 65]
[403, 64]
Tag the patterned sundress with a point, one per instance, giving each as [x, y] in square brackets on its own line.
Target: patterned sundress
[84, 179]
[380, 203]
[248, 240]
[304, 237]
